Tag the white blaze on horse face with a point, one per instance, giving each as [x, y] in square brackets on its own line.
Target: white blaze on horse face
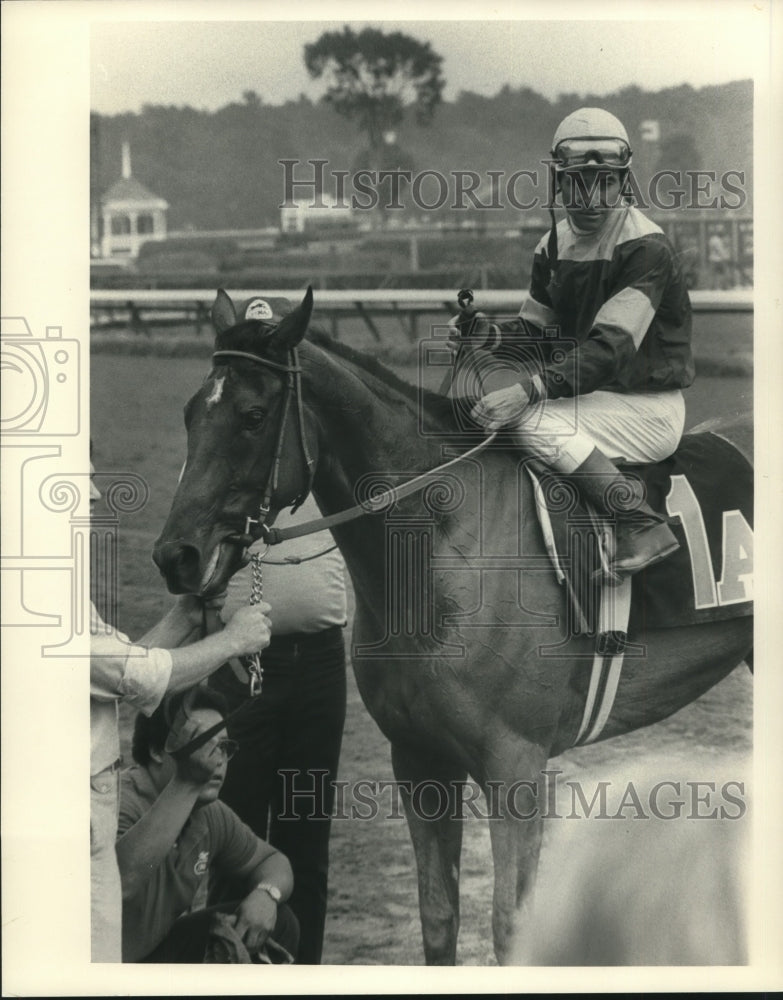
[182, 471]
[217, 391]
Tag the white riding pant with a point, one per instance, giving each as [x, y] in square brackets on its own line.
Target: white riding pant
[635, 428]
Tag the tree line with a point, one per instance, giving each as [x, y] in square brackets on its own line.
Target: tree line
[221, 169]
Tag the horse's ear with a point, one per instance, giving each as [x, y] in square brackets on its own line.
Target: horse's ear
[223, 314]
[292, 328]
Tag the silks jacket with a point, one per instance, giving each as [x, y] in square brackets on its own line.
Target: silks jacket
[616, 304]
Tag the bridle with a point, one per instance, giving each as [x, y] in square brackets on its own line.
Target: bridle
[293, 391]
[256, 527]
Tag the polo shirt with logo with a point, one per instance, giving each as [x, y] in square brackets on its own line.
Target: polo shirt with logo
[214, 842]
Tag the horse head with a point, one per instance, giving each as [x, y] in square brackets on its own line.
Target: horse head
[247, 416]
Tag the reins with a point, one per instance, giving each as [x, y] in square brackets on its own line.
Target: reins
[274, 536]
[374, 505]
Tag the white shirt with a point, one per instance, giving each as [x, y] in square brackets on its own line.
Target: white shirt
[305, 597]
[120, 670]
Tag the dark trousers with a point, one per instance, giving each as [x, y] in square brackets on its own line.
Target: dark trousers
[280, 781]
[187, 939]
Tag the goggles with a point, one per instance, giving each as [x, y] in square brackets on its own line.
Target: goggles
[607, 152]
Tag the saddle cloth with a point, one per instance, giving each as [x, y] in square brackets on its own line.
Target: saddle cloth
[705, 490]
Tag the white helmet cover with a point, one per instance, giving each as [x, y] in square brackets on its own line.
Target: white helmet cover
[593, 125]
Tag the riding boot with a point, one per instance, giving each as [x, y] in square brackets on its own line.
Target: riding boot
[642, 537]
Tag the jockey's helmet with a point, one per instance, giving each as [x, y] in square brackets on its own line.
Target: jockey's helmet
[591, 137]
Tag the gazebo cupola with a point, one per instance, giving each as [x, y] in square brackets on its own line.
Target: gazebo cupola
[131, 214]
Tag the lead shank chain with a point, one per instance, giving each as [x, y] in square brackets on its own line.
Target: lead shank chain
[253, 662]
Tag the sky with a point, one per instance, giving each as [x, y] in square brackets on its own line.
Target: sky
[208, 64]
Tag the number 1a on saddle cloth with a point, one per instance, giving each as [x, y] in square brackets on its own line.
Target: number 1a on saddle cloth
[706, 491]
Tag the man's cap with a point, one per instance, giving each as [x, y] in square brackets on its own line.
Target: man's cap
[267, 310]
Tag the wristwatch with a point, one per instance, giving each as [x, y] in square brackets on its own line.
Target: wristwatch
[273, 891]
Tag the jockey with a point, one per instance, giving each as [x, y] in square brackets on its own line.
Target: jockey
[606, 281]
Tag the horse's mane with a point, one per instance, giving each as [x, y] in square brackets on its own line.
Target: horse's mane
[436, 404]
[250, 336]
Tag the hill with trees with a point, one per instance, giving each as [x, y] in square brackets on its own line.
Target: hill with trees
[220, 170]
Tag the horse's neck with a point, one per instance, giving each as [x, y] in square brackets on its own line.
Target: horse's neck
[366, 428]
[368, 440]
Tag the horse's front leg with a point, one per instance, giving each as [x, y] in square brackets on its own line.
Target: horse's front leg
[512, 784]
[432, 797]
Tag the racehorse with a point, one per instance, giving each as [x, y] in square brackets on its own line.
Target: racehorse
[460, 649]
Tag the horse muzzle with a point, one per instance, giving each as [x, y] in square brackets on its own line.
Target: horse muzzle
[185, 571]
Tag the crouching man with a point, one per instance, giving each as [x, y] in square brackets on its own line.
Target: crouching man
[178, 844]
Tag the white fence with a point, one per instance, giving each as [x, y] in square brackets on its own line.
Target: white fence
[144, 309]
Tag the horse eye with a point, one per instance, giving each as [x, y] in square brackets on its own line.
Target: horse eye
[253, 419]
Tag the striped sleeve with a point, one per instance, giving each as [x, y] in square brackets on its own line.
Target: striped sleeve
[537, 308]
[644, 267]
[628, 311]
